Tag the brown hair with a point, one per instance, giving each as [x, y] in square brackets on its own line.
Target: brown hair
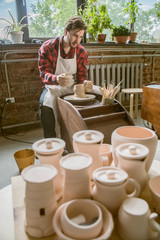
[75, 23]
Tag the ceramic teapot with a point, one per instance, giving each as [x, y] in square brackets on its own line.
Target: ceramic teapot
[110, 187]
[89, 142]
[49, 151]
[136, 134]
[132, 158]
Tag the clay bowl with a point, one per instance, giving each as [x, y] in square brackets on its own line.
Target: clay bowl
[107, 226]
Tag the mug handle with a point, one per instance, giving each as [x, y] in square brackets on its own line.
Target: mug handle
[115, 158]
[137, 188]
[154, 227]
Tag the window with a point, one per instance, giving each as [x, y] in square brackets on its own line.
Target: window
[46, 18]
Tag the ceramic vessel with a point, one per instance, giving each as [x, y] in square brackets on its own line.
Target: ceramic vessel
[40, 199]
[105, 152]
[89, 142]
[132, 158]
[81, 219]
[76, 176]
[136, 222]
[110, 187]
[154, 186]
[107, 223]
[79, 91]
[49, 151]
[136, 134]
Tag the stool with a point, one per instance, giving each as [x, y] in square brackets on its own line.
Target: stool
[132, 92]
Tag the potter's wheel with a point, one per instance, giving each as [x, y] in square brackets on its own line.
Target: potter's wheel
[107, 228]
[73, 99]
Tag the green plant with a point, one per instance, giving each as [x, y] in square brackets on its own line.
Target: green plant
[133, 10]
[157, 9]
[96, 17]
[13, 25]
[121, 31]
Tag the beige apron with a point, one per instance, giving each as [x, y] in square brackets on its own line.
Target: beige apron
[54, 91]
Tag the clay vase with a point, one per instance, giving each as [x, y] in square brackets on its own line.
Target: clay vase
[49, 151]
[132, 158]
[136, 134]
[136, 222]
[40, 199]
[76, 176]
[79, 91]
[89, 142]
[110, 187]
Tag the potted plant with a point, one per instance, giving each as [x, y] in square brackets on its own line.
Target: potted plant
[132, 10]
[120, 34]
[14, 29]
[96, 18]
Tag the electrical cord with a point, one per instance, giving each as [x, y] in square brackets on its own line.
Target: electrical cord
[1, 127]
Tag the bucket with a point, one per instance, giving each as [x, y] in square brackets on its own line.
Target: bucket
[24, 158]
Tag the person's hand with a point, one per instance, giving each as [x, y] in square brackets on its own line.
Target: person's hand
[88, 85]
[64, 79]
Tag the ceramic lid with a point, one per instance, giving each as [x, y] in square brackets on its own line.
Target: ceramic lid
[110, 175]
[76, 161]
[48, 146]
[88, 136]
[132, 151]
[39, 173]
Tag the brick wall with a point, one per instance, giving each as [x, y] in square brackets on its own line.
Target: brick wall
[25, 83]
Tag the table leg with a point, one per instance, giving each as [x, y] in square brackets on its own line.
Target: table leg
[131, 105]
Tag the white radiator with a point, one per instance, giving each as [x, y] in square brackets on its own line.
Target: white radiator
[114, 73]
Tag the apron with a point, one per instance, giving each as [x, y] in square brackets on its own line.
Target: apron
[54, 91]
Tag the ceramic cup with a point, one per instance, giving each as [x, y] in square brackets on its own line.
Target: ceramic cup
[136, 222]
[79, 91]
[81, 219]
[76, 168]
[105, 152]
[154, 186]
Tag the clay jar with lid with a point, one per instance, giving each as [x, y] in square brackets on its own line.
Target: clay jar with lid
[49, 151]
[136, 134]
[89, 142]
[76, 176]
[40, 199]
[132, 158]
[110, 187]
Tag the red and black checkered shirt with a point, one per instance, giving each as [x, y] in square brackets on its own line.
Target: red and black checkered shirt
[48, 54]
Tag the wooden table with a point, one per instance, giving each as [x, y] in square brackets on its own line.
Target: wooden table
[12, 209]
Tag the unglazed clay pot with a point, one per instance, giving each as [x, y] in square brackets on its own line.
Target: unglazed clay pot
[154, 186]
[110, 187]
[76, 176]
[40, 199]
[89, 142]
[136, 134]
[132, 158]
[81, 219]
[136, 222]
[49, 151]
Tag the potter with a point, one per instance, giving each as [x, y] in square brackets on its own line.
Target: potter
[110, 187]
[136, 222]
[136, 134]
[132, 158]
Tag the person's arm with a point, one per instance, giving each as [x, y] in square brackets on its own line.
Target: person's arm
[82, 60]
[47, 62]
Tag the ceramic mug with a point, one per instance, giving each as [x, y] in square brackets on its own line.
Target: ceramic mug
[136, 222]
[105, 152]
[79, 91]
[154, 186]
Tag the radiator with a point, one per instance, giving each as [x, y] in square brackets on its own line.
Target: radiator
[114, 73]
